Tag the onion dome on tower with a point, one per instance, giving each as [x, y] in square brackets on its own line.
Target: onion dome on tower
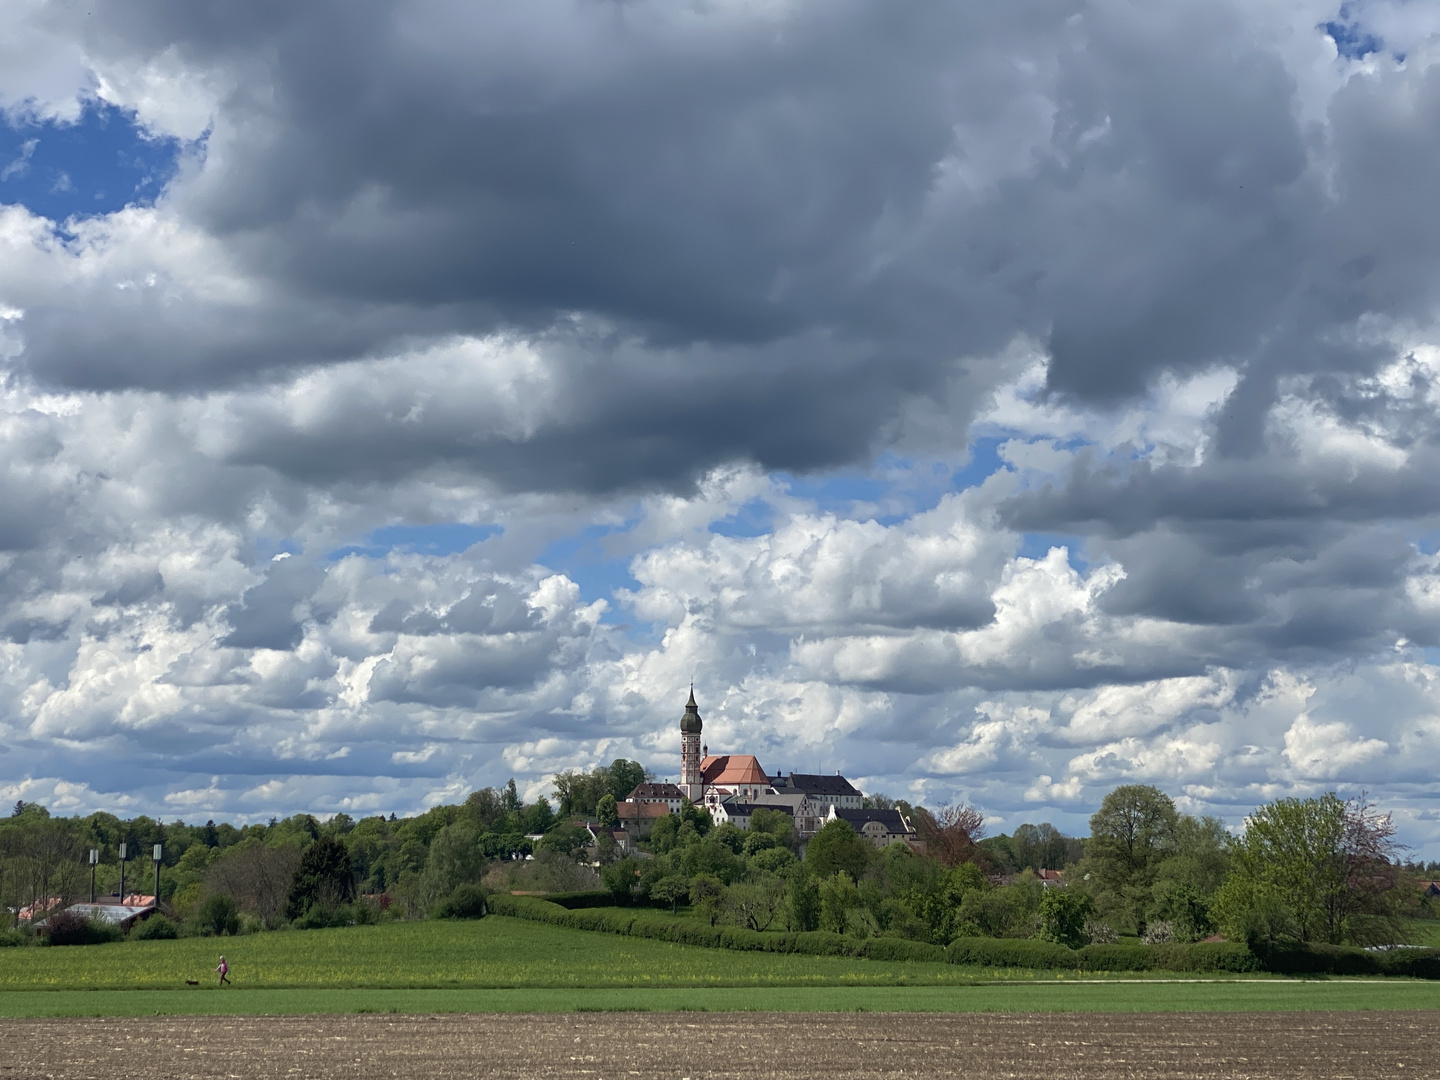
[690, 722]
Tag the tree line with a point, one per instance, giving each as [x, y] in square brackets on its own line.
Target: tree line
[1315, 870]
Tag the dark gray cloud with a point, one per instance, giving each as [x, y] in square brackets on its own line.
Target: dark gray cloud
[792, 220]
[578, 269]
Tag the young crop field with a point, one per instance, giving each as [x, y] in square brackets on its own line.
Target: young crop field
[492, 952]
[1055, 996]
[501, 964]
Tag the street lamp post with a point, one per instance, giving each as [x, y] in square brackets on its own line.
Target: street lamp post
[159, 854]
[94, 858]
[122, 873]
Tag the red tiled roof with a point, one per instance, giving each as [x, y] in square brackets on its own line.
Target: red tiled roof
[728, 769]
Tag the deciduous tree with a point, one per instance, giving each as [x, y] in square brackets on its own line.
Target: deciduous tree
[1318, 869]
[837, 847]
[1131, 835]
[952, 834]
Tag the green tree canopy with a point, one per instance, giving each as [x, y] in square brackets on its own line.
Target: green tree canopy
[324, 878]
[1131, 835]
[605, 813]
[837, 847]
[455, 859]
[1316, 869]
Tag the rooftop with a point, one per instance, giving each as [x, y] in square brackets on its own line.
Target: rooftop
[893, 820]
[656, 791]
[727, 769]
[740, 808]
[817, 784]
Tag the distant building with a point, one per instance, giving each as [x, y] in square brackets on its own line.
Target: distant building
[730, 810]
[881, 827]
[123, 915]
[732, 786]
[821, 790]
[638, 818]
[734, 774]
[33, 911]
[647, 792]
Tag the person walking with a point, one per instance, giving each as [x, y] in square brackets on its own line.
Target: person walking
[224, 970]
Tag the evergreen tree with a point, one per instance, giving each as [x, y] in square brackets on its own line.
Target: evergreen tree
[324, 877]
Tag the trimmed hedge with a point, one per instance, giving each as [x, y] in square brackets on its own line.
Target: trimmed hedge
[1130, 956]
[597, 898]
[691, 932]
[979, 952]
[466, 902]
[891, 948]
[1011, 952]
[1348, 960]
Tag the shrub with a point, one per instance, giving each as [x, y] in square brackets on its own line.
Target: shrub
[155, 928]
[1159, 932]
[69, 928]
[1117, 957]
[466, 902]
[216, 915]
[13, 938]
[1063, 913]
[1011, 952]
[1207, 956]
[1416, 963]
[1099, 932]
[889, 948]
[320, 917]
[596, 897]
[1295, 959]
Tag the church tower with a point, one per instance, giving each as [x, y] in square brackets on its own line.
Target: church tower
[690, 782]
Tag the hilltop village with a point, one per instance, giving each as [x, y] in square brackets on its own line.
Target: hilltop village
[733, 786]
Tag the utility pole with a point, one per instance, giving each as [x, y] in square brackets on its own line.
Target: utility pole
[94, 858]
[159, 854]
[122, 873]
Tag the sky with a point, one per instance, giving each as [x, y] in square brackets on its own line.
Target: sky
[992, 402]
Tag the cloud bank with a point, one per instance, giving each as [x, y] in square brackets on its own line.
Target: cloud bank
[995, 402]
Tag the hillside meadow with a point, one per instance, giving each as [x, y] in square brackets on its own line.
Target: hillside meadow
[501, 964]
[492, 952]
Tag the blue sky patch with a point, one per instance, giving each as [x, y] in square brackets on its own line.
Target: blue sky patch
[984, 462]
[99, 164]
[450, 538]
[1352, 41]
[896, 488]
[584, 559]
[756, 517]
[1036, 545]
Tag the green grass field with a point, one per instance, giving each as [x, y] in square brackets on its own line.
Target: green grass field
[1423, 932]
[491, 953]
[501, 964]
[1054, 996]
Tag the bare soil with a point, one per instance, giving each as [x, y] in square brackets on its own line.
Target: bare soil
[675, 1046]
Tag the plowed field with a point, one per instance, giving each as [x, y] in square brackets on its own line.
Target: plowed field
[765, 1045]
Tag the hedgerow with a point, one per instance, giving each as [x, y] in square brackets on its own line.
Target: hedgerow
[978, 951]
